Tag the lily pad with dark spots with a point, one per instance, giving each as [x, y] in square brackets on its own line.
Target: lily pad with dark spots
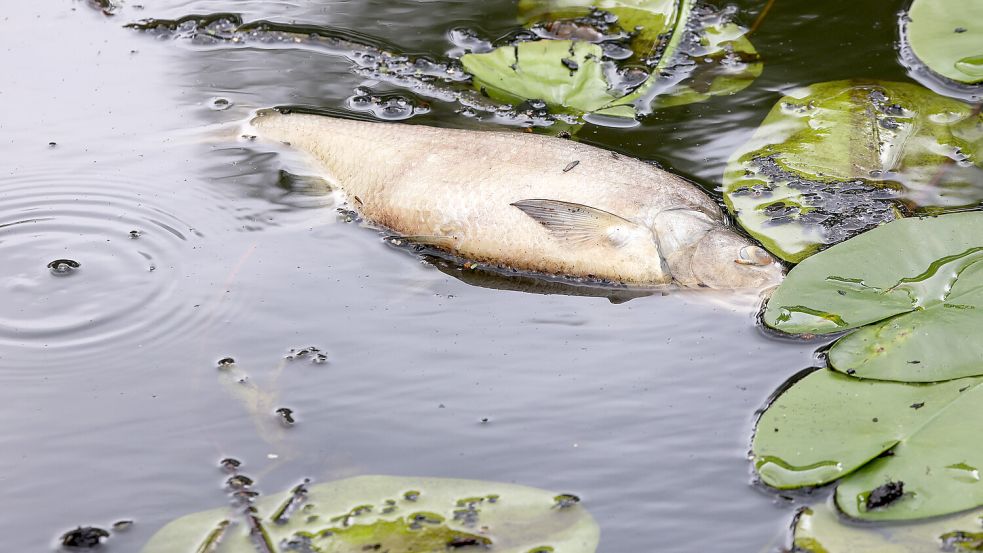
[398, 515]
[893, 462]
[835, 159]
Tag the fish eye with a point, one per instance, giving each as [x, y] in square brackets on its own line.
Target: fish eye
[753, 255]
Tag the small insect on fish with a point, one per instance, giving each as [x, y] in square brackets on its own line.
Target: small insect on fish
[509, 199]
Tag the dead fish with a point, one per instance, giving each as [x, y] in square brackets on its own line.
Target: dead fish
[519, 200]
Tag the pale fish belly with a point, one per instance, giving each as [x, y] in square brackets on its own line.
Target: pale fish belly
[524, 201]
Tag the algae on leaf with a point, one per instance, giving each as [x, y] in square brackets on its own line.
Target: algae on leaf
[649, 20]
[947, 37]
[562, 73]
[643, 54]
[820, 529]
[913, 288]
[394, 514]
[835, 159]
[901, 451]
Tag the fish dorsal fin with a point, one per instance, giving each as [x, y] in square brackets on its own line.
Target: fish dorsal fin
[577, 223]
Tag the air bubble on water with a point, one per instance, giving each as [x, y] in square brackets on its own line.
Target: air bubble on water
[388, 107]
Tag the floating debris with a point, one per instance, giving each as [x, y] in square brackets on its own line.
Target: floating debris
[84, 537]
[371, 58]
[566, 500]
[311, 352]
[286, 416]
[226, 362]
[122, 525]
[885, 495]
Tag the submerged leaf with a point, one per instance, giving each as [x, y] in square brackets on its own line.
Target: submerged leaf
[819, 529]
[917, 283]
[835, 159]
[897, 461]
[398, 515]
[947, 37]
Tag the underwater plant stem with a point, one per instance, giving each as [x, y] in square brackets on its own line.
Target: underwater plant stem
[761, 17]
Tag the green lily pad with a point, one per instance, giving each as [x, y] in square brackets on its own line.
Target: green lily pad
[394, 514]
[653, 19]
[917, 283]
[835, 159]
[819, 529]
[902, 451]
[690, 53]
[562, 73]
[947, 37]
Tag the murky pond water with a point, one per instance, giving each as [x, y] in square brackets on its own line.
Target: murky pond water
[120, 152]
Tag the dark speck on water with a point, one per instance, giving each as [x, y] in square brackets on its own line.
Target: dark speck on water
[918, 405]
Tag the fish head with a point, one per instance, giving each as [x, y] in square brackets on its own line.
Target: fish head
[724, 259]
[703, 252]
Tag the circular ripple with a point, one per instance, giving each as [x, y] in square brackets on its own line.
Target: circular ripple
[92, 263]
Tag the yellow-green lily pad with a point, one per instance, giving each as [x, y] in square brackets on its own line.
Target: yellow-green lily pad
[394, 514]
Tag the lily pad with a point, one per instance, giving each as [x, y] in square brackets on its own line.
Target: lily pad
[562, 73]
[947, 37]
[903, 451]
[649, 20]
[394, 514]
[646, 54]
[917, 283]
[820, 529]
[835, 159]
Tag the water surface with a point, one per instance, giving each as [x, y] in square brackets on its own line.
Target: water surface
[192, 247]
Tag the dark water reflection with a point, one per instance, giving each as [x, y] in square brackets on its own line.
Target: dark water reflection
[110, 403]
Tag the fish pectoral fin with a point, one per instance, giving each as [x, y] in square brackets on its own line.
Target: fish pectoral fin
[443, 242]
[577, 223]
